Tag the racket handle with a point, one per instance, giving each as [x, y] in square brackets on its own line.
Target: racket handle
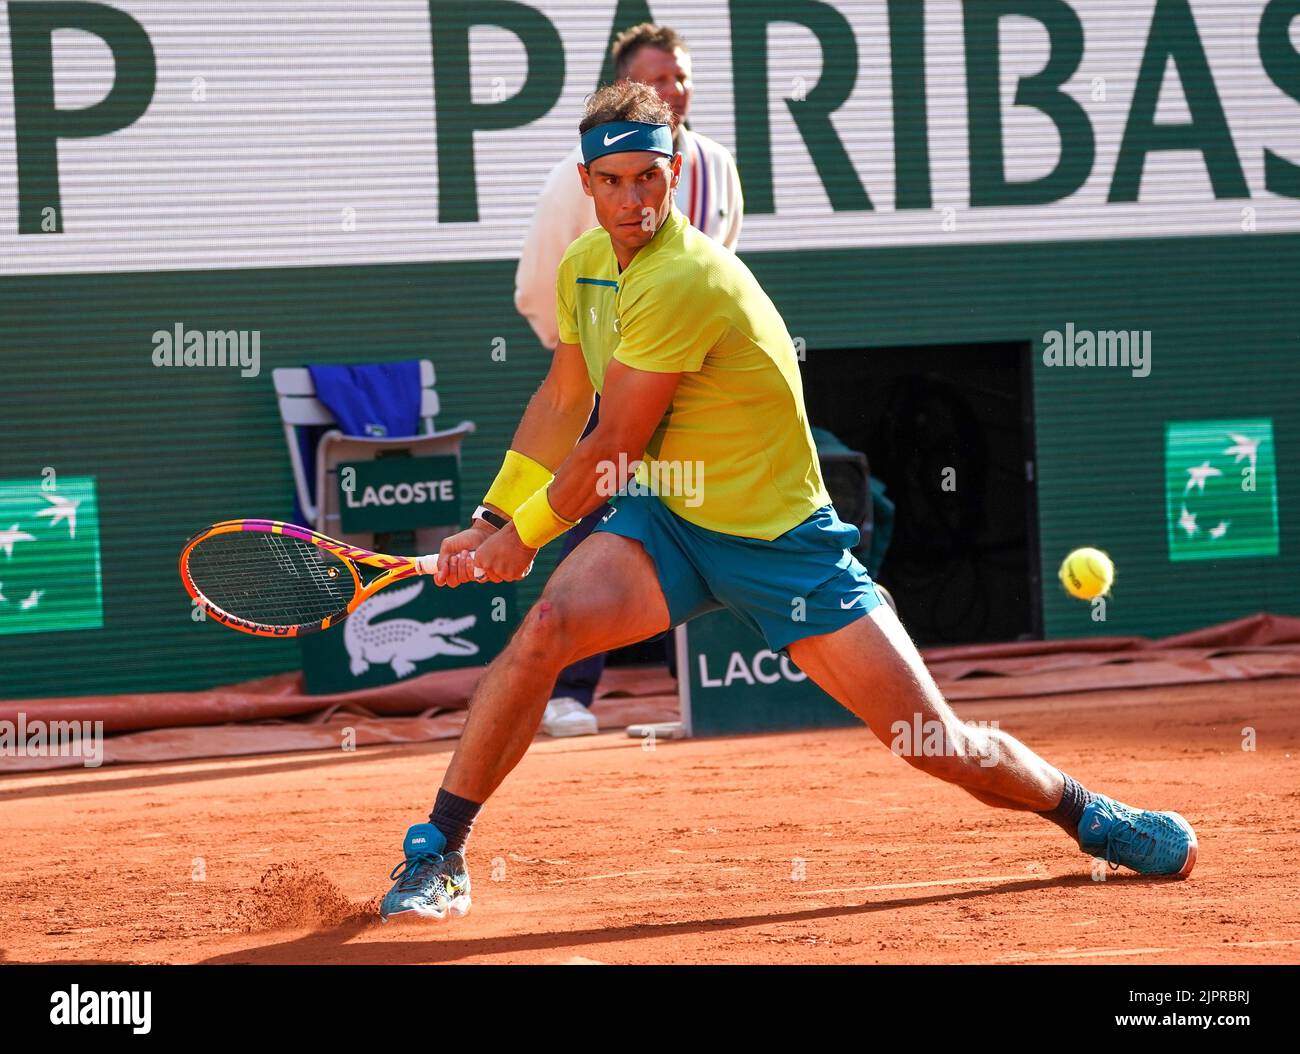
[428, 565]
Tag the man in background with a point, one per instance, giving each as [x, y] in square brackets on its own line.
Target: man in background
[709, 196]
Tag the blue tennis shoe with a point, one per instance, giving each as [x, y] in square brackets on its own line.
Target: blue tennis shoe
[431, 886]
[1151, 843]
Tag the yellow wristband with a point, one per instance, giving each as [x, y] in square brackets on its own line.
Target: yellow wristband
[538, 523]
[519, 478]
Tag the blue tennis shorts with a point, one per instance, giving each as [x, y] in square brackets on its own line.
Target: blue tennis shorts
[801, 584]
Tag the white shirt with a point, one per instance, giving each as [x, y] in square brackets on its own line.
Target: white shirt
[708, 195]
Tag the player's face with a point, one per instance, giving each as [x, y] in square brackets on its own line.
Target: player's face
[668, 73]
[632, 192]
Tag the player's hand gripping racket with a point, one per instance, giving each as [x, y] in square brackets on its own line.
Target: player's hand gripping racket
[276, 579]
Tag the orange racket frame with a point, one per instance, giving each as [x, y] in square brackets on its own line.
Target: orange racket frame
[394, 568]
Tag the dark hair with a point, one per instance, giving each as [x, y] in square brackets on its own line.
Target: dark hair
[625, 101]
[647, 34]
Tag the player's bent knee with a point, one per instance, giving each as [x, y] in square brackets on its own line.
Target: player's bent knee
[540, 638]
[551, 635]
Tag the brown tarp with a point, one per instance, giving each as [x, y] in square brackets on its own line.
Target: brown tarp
[1244, 649]
[272, 714]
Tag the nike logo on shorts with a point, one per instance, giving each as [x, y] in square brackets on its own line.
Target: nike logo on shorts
[845, 607]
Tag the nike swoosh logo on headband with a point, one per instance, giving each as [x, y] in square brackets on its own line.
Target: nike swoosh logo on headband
[622, 135]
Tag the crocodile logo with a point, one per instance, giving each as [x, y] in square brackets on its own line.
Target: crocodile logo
[402, 642]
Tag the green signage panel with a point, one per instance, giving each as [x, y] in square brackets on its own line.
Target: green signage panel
[1220, 489]
[407, 630]
[399, 493]
[737, 684]
[49, 555]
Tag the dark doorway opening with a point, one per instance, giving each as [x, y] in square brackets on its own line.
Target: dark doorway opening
[949, 430]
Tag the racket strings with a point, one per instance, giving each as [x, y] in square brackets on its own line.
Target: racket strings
[271, 579]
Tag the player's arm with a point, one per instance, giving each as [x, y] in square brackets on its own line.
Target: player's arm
[557, 412]
[554, 417]
[551, 424]
[632, 405]
[661, 340]
[633, 402]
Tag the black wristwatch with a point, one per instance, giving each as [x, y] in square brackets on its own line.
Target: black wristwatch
[488, 516]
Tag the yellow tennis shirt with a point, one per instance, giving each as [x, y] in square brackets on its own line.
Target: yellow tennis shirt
[733, 453]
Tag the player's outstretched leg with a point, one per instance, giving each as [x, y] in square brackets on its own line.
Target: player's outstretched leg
[872, 667]
[604, 595]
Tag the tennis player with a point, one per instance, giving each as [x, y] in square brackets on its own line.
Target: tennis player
[681, 341]
[709, 196]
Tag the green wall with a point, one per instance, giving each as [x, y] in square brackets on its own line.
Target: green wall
[1225, 324]
[175, 449]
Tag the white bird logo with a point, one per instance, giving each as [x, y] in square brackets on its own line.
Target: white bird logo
[61, 509]
[1244, 447]
[1199, 475]
[7, 539]
[33, 598]
[1220, 530]
[1187, 521]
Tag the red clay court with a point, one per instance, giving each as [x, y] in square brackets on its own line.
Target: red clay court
[813, 847]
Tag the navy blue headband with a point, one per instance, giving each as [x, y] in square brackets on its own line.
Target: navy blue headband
[615, 137]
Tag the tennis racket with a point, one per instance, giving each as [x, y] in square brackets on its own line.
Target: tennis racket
[276, 579]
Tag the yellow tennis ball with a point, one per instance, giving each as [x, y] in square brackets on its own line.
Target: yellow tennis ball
[1087, 573]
